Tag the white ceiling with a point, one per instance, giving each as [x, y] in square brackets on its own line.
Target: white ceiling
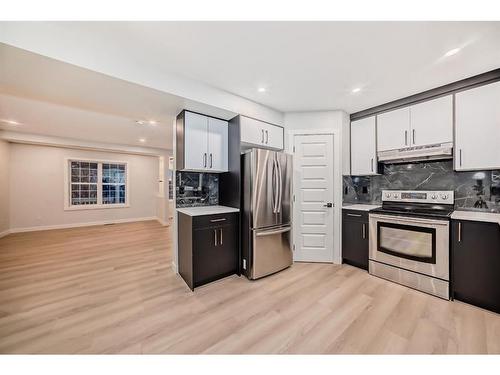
[304, 65]
[53, 98]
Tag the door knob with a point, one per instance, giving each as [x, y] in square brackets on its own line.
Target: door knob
[329, 205]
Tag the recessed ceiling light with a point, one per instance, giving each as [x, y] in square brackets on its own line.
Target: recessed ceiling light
[140, 122]
[142, 140]
[356, 90]
[10, 122]
[152, 122]
[452, 52]
[261, 89]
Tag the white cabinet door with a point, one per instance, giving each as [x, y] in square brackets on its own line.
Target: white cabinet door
[432, 122]
[251, 131]
[217, 145]
[274, 136]
[363, 147]
[195, 141]
[393, 129]
[477, 128]
[261, 134]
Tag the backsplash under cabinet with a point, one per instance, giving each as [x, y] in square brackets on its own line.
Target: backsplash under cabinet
[473, 190]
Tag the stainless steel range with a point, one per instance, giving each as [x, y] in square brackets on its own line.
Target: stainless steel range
[409, 239]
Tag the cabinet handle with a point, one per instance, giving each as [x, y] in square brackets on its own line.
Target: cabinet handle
[220, 239]
[267, 137]
[205, 159]
[459, 232]
[216, 220]
[262, 141]
[406, 137]
[460, 156]
[413, 134]
[215, 237]
[211, 161]
[355, 215]
[364, 231]
[372, 164]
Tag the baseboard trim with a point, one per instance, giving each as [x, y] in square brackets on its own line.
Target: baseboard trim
[174, 267]
[5, 232]
[78, 225]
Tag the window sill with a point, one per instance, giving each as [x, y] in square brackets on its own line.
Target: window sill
[95, 207]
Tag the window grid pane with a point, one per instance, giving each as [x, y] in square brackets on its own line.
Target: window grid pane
[84, 183]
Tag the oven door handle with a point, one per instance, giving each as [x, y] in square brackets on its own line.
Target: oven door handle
[406, 219]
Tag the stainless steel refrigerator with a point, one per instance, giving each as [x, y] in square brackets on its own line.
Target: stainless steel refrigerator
[266, 216]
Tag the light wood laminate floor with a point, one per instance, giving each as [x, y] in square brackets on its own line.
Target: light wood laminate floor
[111, 289]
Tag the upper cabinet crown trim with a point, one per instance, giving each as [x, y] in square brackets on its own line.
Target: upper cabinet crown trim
[464, 84]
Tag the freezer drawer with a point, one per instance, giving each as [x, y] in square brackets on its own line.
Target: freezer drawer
[272, 251]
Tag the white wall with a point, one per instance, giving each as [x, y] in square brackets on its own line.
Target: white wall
[338, 123]
[37, 187]
[4, 187]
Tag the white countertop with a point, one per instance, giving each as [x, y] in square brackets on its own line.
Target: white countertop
[360, 207]
[490, 217]
[207, 210]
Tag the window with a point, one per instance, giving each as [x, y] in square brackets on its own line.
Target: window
[94, 184]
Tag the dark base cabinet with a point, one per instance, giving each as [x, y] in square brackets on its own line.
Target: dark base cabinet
[475, 259]
[355, 238]
[208, 247]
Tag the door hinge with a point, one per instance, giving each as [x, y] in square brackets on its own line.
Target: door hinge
[244, 264]
[293, 247]
[294, 197]
[293, 148]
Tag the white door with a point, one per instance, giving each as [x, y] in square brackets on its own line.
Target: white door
[195, 141]
[432, 121]
[393, 129]
[363, 147]
[313, 191]
[217, 144]
[477, 128]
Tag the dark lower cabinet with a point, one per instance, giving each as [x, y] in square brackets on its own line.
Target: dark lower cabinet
[355, 238]
[475, 259]
[208, 247]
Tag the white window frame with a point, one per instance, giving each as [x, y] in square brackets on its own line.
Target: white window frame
[67, 185]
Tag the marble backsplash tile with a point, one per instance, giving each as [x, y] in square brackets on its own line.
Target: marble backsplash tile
[196, 189]
[473, 190]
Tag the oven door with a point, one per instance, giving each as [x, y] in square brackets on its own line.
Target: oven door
[415, 244]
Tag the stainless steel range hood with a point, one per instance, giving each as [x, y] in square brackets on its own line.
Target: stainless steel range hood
[437, 151]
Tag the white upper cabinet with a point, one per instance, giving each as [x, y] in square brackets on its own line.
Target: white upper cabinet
[393, 129]
[217, 144]
[421, 124]
[477, 128]
[261, 134]
[363, 147]
[432, 122]
[195, 141]
[202, 143]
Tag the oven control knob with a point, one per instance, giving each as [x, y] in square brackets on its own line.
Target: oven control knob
[444, 197]
[387, 195]
[396, 195]
[433, 196]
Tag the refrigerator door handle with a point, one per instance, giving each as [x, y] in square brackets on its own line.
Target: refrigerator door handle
[273, 232]
[280, 186]
[275, 188]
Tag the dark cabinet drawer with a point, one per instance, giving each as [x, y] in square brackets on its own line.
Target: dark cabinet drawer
[215, 220]
[355, 215]
[475, 259]
[355, 238]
